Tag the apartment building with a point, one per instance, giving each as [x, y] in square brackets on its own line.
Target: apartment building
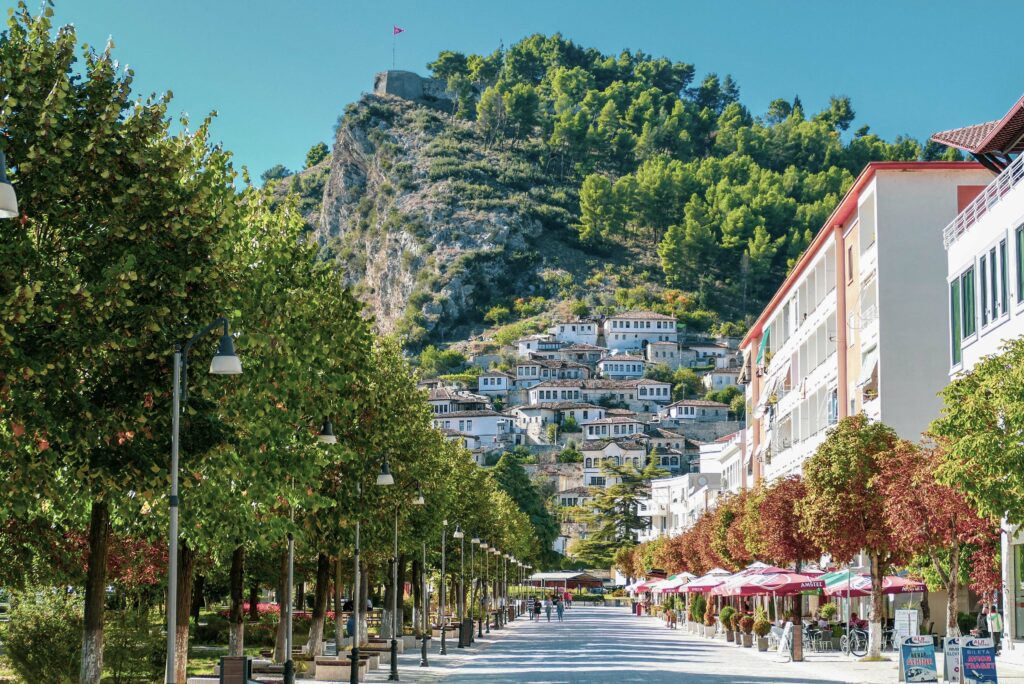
[985, 289]
[847, 330]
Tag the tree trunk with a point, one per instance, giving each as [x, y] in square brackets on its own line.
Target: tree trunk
[236, 624]
[283, 597]
[300, 595]
[197, 597]
[953, 592]
[875, 614]
[254, 602]
[387, 615]
[186, 566]
[364, 597]
[417, 597]
[339, 621]
[316, 626]
[95, 593]
[402, 562]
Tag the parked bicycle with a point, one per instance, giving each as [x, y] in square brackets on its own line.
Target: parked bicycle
[854, 643]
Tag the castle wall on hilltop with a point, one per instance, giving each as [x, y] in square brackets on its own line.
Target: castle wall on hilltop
[411, 86]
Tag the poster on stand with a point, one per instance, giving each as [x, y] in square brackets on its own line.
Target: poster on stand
[906, 623]
[978, 661]
[951, 660]
[917, 659]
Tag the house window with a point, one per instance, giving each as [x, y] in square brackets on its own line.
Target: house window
[1004, 299]
[994, 281]
[589, 463]
[849, 264]
[1020, 264]
[469, 425]
[954, 321]
[833, 407]
[968, 315]
[983, 284]
[597, 481]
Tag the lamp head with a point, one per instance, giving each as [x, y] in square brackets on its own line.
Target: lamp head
[326, 435]
[385, 479]
[475, 541]
[225, 362]
[458, 534]
[418, 499]
[8, 200]
[484, 546]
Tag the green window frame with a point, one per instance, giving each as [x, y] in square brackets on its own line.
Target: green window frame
[1020, 264]
[954, 321]
[968, 314]
[1004, 296]
[983, 287]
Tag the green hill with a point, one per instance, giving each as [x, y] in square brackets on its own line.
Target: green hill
[551, 177]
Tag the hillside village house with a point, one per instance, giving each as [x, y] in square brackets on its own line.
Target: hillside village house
[672, 450]
[727, 457]
[846, 331]
[720, 378]
[494, 382]
[618, 426]
[635, 329]
[489, 428]
[533, 419]
[537, 370]
[697, 410]
[621, 367]
[641, 396]
[984, 246]
[443, 400]
[581, 331]
[588, 354]
[545, 346]
[716, 354]
[617, 451]
[667, 353]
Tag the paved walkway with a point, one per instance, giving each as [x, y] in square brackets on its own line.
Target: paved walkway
[605, 645]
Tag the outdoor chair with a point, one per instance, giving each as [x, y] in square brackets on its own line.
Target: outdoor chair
[773, 637]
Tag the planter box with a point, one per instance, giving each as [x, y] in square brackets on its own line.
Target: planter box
[748, 640]
[762, 644]
[729, 636]
[709, 631]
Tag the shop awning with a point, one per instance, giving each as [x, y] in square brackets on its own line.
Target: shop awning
[706, 583]
[859, 586]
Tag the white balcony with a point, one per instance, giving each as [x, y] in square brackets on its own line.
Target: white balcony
[1006, 181]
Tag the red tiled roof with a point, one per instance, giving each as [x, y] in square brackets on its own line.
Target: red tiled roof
[1004, 136]
[644, 315]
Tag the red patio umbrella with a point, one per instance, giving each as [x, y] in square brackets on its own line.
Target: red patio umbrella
[860, 586]
[787, 583]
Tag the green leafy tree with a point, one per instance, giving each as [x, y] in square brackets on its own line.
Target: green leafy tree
[613, 515]
[275, 173]
[317, 153]
[448, 64]
[511, 477]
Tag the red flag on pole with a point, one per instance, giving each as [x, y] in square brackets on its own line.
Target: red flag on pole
[395, 30]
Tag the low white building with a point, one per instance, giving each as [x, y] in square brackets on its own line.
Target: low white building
[494, 382]
[537, 370]
[697, 410]
[580, 331]
[622, 367]
[635, 329]
[728, 458]
[588, 354]
[717, 354]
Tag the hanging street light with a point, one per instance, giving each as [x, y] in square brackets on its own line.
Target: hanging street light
[8, 200]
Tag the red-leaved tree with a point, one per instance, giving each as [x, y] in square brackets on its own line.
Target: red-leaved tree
[937, 523]
[780, 539]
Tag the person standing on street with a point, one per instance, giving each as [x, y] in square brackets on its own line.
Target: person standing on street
[536, 610]
[982, 625]
[560, 609]
[995, 627]
[547, 607]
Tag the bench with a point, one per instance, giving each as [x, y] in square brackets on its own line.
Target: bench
[338, 669]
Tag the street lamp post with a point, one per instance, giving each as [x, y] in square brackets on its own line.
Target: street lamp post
[487, 580]
[461, 601]
[8, 199]
[396, 625]
[473, 543]
[224, 362]
[426, 610]
[497, 589]
[440, 602]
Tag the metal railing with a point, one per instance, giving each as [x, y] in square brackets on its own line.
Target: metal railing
[995, 191]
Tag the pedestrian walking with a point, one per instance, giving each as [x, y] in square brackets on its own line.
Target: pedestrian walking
[567, 599]
[547, 608]
[531, 605]
[536, 610]
[982, 625]
[560, 609]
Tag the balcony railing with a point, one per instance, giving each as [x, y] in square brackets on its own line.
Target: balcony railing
[990, 196]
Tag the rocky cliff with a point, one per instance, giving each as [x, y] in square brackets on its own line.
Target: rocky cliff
[432, 225]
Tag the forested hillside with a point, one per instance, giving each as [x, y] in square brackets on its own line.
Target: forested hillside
[563, 179]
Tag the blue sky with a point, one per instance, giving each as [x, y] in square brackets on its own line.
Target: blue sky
[280, 73]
